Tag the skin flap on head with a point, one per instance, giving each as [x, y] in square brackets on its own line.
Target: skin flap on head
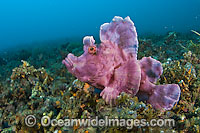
[88, 41]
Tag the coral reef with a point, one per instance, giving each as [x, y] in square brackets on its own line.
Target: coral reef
[186, 73]
[171, 46]
[54, 92]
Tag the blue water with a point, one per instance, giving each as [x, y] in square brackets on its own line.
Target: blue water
[30, 21]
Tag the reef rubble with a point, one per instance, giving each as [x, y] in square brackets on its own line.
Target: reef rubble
[44, 88]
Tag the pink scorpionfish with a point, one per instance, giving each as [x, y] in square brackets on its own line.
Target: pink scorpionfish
[113, 66]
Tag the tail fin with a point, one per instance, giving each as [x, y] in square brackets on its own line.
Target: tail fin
[164, 96]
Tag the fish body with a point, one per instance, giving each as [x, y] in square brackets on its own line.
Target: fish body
[113, 66]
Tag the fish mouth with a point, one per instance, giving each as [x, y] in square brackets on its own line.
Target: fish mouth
[69, 61]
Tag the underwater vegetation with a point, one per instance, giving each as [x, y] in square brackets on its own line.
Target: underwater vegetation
[41, 86]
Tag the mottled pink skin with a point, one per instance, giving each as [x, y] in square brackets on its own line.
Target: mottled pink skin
[115, 68]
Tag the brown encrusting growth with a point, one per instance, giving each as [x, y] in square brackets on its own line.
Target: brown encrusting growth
[51, 91]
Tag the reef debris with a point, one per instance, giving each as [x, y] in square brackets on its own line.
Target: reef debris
[28, 94]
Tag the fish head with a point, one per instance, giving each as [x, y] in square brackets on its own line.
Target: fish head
[86, 66]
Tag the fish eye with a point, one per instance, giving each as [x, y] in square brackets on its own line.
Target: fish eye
[92, 50]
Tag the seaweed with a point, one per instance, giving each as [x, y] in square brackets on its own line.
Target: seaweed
[49, 90]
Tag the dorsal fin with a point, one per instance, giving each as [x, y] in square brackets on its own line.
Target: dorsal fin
[121, 32]
[152, 68]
